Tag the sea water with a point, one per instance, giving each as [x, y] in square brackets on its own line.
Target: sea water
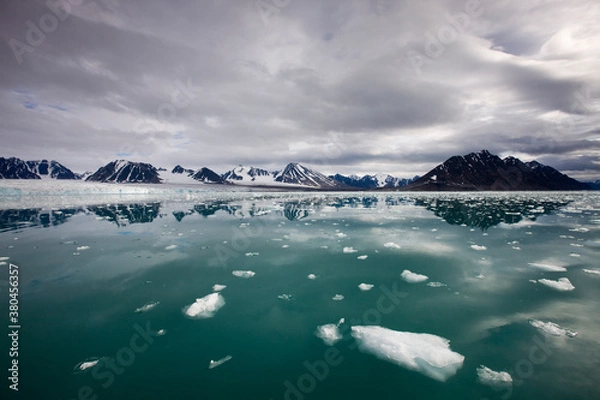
[281, 295]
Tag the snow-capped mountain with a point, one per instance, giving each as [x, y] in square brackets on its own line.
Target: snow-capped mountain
[207, 175]
[15, 168]
[249, 176]
[123, 171]
[180, 170]
[485, 171]
[297, 174]
[372, 181]
[51, 169]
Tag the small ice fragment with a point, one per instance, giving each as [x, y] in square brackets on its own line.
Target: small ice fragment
[548, 267]
[171, 247]
[364, 257]
[312, 276]
[574, 254]
[562, 284]
[338, 297]
[391, 245]
[329, 333]
[365, 286]
[324, 246]
[252, 254]
[576, 245]
[161, 332]
[147, 307]
[489, 377]
[348, 250]
[592, 271]
[82, 248]
[214, 364]
[76, 253]
[205, 307]
[285, 246]
[533, 281]
[412, 277]
[552, 328]
[217, 288]
[478, 247]
[436, 284]
[4, 258]
[427, 354]
[285, 296]
[341, 235]
[480, 276]
[243, 274]
[82, 366]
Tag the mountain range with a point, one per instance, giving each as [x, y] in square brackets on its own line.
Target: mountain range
[472, 172]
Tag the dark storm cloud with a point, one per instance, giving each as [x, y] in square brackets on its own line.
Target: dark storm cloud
[348, 86]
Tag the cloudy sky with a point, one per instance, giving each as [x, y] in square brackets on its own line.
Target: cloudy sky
[349, 86]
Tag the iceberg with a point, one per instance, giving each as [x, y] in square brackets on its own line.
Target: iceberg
[338, 297]
[365, 286]
[329, 333]
[217, 288]
[205, 307]
[489, 377]
[547, 267]
[243, 274]
[348, 250]
[562, 285]
[427, 354]
[312, 276]
[552, 328]
[592, 271]
[364, 257]
[478, 247]
[412, 277]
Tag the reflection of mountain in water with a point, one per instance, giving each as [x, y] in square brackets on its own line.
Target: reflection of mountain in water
[484, 213]
[16, 219]
[123, 214]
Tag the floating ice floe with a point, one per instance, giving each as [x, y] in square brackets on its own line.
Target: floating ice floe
[478, 247]
[436, 284]
[341, 235]
[562, 284]
[592, 271]
[161, 332]
[365, 286]
[217, 288]
[412, 277]
[252, 254]
[427, 354]
[147, 307]
[243, 274]
[171, 247]
[574, 255]
[205, 307]
[285, 296]
[552, 328]
[4, 258]
[480, 276]
[576, 245]
[364, 257]
[329, 333]
[391, 245]
[285, 246]
[348, 250]
[214, 364]
[87, 364]
[312, 276]
[548, 267]
[82, 248]
[489, 377]
[338, 297]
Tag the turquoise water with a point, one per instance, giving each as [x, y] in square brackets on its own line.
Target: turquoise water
[84, 272]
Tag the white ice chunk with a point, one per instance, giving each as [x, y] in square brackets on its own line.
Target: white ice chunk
[218, 288]
[338, 297]
[436, 284]
[364, 257]
[330, 333]
[252, 254]
[427, 354]
[478, 247]
[365, 286]
[562, 285]
[243, 274]
[552, 328]
[412, 277]
[548, 267]
[4, 258]
[285, 296]
[171, 247]
[341, 235]
[205, 307]
[592, 271]
[161, 332]
[349, 250]
[214, 364]
[147, 307]
[489, 377]
[82, 366]
[312, 276]
[82, 248]
[391, 245]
